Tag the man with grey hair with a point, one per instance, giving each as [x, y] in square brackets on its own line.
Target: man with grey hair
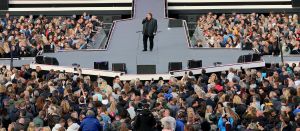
[90, 122]
[168, 122]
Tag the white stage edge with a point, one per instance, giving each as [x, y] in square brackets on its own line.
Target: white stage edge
[166, 76]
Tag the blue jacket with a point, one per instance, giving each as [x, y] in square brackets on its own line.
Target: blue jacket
[221, 124]
[90, 123]
[179, 125]
[106, 119]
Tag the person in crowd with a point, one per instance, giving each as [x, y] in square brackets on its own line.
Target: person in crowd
[144, 121]
[72, 126]
[59, 126]
[90, 122]
[168, 122]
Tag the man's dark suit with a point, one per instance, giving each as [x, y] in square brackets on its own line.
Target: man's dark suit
[149, 31]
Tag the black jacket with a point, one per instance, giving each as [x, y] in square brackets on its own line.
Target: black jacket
[144, 121]
[152, 27]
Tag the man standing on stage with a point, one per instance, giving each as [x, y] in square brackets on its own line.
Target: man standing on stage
[149, 30]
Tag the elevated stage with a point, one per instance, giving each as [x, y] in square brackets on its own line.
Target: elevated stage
[170, 45]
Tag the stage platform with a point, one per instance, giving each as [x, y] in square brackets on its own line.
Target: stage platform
[171, 44]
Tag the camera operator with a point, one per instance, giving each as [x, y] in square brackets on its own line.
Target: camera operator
[145, 120]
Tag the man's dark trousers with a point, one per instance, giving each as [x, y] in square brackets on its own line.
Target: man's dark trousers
[145, 39]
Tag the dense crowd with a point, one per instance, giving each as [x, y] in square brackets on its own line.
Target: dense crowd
[248, 31]
[27, 35]
[265, 99]
[266, 33]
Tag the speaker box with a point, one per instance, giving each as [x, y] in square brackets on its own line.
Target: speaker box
[256, 57]
[146, 69]
[248, 58]
[175, 23]
[119, 67]
[175, 66]
[39, 59]
[50, 61]
[101, 65]
[296, 3]
[268, 65]
[4, 5]
[48, 49]
[194, 64]
[241, 59]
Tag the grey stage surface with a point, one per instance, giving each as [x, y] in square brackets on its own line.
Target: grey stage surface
[170, 45]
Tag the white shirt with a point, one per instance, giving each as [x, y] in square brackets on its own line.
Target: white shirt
[230, 76]
[131, 112]
[73, 127]
[297, 83]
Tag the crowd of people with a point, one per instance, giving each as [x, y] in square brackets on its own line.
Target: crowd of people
[262, 99]
[250, 31]
[25, 36]
[266, 33]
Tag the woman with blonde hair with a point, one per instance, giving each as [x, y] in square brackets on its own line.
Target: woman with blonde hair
[190, 116]
[112, 110]
[2, 52]
[31, 127]
[295, 18]
[65, 107]
[286, 93]
[208, 112]
[6, 49]
[212, 79]
[105, 88]
[237, 100]
[239, 106]
[232, 114]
